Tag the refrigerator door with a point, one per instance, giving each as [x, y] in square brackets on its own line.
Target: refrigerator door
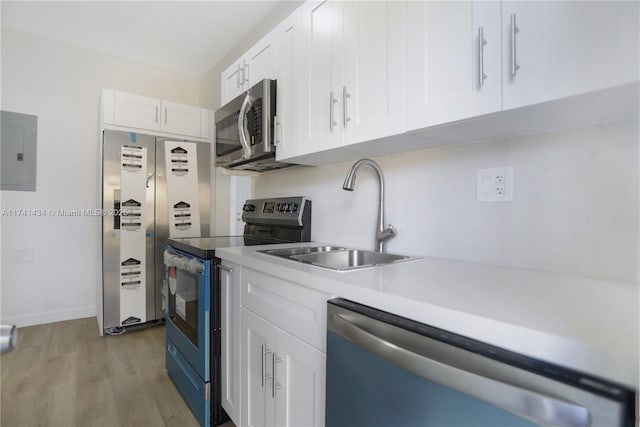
[112, 144]
[162, 233]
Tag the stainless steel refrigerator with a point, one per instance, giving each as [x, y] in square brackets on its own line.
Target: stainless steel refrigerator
[153, 188]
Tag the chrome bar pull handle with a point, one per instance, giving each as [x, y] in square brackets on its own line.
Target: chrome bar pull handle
[226, 268]
[275, 131]
[332, 100]
[238, 77]
[165, 115]
[514, 30]
[274, 386]
[345, 96]
[263, 356]
[245, 78]
[481, 43]
[156, 114]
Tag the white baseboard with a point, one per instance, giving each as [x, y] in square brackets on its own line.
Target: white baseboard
[50, 316]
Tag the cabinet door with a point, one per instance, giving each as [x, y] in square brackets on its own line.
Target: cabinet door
[372, 95]
[300, 383]
[450, 75]
[288, 50]
[297, 309]
[180, 119]
[322, 71]
[205, 122]
[231, 83]
[566, 48]
[260, 62]
[258, 344]
[136, 111]
[230, 336]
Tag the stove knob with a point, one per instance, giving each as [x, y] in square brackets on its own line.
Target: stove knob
[248, 207]
[293, 207]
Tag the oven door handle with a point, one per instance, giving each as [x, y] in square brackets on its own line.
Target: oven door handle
[530, 404]
[243, 131]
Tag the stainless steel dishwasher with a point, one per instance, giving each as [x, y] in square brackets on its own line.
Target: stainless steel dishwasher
[386, 370]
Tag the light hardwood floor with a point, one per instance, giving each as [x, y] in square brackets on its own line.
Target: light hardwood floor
[66, 374]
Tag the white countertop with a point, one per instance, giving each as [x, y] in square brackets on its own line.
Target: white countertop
[582, 323]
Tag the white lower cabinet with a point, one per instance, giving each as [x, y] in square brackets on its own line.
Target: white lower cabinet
[300, 371]
[257, 349]
[284, 377]
[230, 337]
[273, 341]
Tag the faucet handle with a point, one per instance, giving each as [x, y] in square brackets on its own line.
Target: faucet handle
[392, 231]
[388, 233]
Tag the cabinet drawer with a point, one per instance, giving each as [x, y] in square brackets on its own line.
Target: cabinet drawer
[294, 308]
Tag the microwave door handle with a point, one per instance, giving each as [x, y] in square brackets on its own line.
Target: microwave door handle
[530, 404]
[242, 125]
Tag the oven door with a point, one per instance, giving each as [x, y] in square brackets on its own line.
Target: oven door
[189, 308]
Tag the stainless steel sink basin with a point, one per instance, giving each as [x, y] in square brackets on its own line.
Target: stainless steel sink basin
[349, 259]
[287, 253]
[337, 258]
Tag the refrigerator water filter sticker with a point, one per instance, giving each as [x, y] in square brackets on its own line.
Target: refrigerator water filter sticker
[182, 189]
[133, 177]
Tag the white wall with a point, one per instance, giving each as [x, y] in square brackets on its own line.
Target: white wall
[61, 85]
[575, 207]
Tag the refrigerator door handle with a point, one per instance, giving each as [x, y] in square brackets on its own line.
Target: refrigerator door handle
[148, 179]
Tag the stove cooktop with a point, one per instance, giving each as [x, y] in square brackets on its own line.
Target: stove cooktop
[205, 247]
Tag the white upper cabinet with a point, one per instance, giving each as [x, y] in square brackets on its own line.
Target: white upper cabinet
[565, 48]
[288, 49]
[322, 75]
[136, 111]
[232, 81]
[260, 62]
[256, 64]
[141, 112]
[453, 61]
[372, 96]
[469, 59]
[353, 72]
[180, 119]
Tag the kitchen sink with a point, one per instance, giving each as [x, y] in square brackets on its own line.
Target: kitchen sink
[286, 253]
[337, 258]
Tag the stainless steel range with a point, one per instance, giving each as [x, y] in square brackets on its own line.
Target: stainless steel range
[193, 323]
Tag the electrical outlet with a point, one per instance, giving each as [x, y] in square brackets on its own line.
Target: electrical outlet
[495, 184]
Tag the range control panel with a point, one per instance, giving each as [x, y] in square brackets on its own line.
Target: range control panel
[281, 211]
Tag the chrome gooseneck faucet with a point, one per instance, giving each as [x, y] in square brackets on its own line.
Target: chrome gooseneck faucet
[382, 234]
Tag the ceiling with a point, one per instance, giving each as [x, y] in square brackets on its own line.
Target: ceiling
[187, 37]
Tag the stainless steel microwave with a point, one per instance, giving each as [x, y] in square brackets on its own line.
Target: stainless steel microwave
[245, 130]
